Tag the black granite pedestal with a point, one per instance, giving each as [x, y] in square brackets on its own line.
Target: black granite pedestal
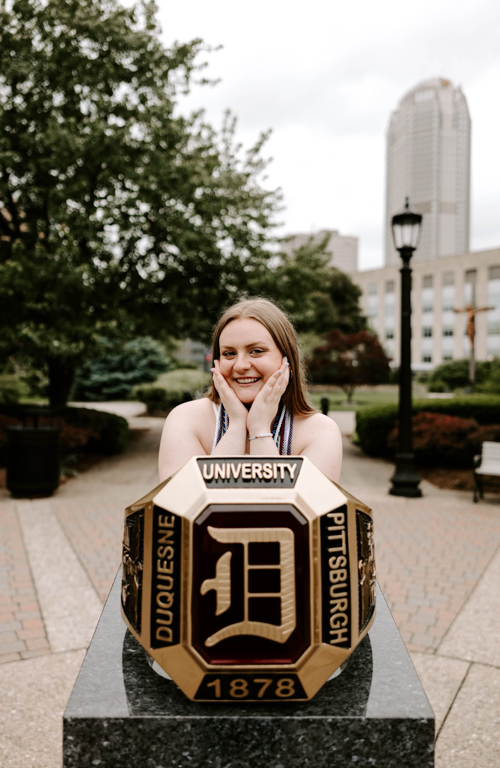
[121, 714]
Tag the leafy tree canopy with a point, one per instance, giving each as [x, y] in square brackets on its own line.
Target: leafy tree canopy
[349, 360]
[117, 215]
[318, 296]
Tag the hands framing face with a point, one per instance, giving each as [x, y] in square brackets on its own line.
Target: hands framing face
[263, 409]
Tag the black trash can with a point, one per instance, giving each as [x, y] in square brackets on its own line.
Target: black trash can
[32, 460]
[325, 405]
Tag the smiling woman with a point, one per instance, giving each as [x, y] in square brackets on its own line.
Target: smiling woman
[257, 404]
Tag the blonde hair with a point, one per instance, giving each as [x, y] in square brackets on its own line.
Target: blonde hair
[285, 338]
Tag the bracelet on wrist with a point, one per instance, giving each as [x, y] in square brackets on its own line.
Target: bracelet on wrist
[264, 434]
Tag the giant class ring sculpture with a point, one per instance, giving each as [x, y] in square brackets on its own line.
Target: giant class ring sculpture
[248, 578]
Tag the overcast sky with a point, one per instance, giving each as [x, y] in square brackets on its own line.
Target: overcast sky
[324, 76]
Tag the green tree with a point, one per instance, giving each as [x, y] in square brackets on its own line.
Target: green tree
[119, 367]
[349, 360]
[118, 216]
[319, 297]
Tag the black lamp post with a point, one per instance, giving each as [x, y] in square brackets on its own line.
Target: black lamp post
[406, 232]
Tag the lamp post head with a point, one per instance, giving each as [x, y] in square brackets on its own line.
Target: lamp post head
[406, 228]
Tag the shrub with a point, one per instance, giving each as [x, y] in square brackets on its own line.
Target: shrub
[172, 388]
[109, 432]
[445, 440]
[12, 388]
[455, 374]
[438, 386]
[373, 425]
[160, 399]
[113, 374]
[491, 384]
[82, 430]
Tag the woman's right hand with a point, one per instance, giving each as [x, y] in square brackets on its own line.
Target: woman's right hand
[235, 409]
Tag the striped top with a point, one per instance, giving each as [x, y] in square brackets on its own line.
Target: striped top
[282, 429]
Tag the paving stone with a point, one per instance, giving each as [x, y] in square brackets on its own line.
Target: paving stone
[441, 679]
[8, 637]
[34, 694]
[69, 605]
[470, 735]
[475, 633]
[15, 590]
[10, 647]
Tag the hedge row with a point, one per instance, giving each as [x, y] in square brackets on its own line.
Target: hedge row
[160, 399]
[373, 425]
[444, 440]
[171, 389]
[82, 430]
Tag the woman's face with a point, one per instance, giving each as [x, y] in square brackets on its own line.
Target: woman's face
[248, 357]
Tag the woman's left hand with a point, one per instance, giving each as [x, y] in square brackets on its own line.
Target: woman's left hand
[266, 403]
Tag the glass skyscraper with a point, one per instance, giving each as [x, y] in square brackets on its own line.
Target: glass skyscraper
[428, 160]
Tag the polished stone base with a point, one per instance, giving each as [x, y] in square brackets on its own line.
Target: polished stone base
[121, 714]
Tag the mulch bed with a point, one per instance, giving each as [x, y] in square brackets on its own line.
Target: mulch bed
[448, 478]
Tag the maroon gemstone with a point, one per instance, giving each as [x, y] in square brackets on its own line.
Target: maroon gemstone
[268, 562]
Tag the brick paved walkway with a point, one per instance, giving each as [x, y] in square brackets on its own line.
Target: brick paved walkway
[22, 631]
[430, 552]
[436, 560]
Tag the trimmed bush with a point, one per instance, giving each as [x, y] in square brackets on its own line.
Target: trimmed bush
[82, 430]
[454, 374]
[172, 388]
[442, 439]
[373, 425]
[109, 432]
[492, 384]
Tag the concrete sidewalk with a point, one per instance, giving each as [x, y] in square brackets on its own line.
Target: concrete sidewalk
[438, 561]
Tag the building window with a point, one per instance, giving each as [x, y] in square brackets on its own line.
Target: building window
[494, 287]
[448, 278]
[471, 275]
[372, 289]
[389, 286]
[389, 334]
[493, 329]
[447, 356]
[427, 357]
[470, 287]
[447, 331]
[427, 307]
[427, 281]
[389, 310]
[427, 332]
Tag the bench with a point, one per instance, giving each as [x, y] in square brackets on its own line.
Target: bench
[486, 468]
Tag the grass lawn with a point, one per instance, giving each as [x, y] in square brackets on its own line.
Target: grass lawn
[361, 399]
[183, 379]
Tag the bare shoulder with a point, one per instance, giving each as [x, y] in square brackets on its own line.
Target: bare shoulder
[318, 437]
[188, 431]
[193, 413]
[316, 424]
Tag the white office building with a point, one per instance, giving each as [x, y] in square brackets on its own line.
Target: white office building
[428, 161]
[342, 248]
[439, 287]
